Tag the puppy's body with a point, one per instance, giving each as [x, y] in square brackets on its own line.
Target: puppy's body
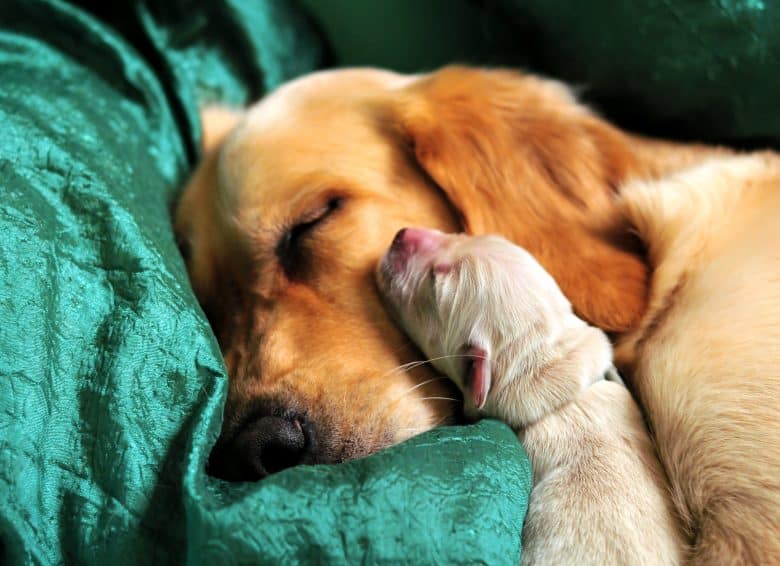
[599, 494]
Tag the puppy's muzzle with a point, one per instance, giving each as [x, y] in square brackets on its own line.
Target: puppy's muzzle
[409, 242]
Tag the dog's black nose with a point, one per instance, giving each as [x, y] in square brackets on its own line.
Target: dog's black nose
[263, 446]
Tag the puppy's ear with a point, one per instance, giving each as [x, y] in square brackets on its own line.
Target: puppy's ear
[217, 122]
[517, 155]
[479, 375]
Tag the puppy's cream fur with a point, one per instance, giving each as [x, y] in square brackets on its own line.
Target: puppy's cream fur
[599, 493]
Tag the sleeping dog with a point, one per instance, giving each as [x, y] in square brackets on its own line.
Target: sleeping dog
[496, 323]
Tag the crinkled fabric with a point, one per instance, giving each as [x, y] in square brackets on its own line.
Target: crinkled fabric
[111, 382]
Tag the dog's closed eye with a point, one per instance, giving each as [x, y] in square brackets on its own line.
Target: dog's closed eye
[291, 248]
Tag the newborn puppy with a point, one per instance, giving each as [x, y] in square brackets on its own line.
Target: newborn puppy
[493, 320]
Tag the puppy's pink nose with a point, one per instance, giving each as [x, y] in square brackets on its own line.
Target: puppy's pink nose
[411, 241]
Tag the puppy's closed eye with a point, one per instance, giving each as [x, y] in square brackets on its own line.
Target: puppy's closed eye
[292, 246]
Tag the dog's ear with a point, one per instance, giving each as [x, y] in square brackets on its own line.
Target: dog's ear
[194, 217]
[478, 379]
[517, 155]
[216, 123]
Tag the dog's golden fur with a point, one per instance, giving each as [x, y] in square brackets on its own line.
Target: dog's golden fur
[355, 155]
[704, 360]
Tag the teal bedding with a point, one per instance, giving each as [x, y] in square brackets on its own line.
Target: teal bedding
[111, 382]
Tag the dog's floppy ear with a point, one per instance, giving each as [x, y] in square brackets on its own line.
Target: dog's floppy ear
[194, 218]
[517, 155]
[478, 380]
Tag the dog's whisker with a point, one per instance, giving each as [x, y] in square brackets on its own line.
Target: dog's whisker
[406, 366]
[402, 395]
[418, 363]
[426, 382]
[402, 367]
[407, 391]
[414, 364]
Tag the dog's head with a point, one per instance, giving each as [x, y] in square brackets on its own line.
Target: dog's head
[297, 198]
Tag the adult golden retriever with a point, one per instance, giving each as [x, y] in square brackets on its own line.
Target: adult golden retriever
[671, 248]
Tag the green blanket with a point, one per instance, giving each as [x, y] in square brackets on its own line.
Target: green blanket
[111, 383]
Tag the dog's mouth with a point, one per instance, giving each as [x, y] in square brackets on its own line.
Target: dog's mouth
[268, 435]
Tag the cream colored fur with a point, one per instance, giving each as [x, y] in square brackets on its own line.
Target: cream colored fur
[705, 362]
[599, 494]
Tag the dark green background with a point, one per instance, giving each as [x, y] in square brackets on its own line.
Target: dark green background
[689, 69]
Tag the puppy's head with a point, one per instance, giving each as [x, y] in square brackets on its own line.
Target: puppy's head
[475, 305]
